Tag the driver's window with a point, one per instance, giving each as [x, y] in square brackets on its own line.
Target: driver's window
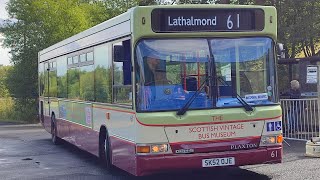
[122, 86]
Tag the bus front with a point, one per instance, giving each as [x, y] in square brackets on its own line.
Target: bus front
[205, 87]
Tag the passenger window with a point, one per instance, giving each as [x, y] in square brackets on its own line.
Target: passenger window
[103, 73]
[122, 86]
[69, 60]
[83, 57]
[90, 56]
[75, 59]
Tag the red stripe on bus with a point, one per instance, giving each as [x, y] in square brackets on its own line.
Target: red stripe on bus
[237, 121]
[217, 140]
[119, 110]
[206, 123]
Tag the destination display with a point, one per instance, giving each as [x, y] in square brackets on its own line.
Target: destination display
[207, 20]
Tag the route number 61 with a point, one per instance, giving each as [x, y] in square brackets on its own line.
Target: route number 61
[274, 154]
[230, 22]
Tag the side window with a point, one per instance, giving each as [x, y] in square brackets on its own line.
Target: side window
[83, 58]
[86, 76]
[69, 60]
[103, 73]
[53, 79]
[46, 79]
[75, 59]
[122, 86]
[41, 78]
[73, 83]
[62, 77]
[90, 56]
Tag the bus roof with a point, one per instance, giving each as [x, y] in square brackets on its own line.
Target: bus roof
[122, 25]
[71, 43]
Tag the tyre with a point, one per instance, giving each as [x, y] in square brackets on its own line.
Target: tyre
[105, 152]
[54, 138]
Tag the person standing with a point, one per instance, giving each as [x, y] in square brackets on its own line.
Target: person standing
[294, 108]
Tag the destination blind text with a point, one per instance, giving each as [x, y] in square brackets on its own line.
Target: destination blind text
[182, 21]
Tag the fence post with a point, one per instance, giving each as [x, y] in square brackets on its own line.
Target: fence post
[318, 95]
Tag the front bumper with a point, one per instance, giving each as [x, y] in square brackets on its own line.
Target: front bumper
[163, 163]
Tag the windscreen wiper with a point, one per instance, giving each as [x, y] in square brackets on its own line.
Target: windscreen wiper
[186, 106]
[246, 106]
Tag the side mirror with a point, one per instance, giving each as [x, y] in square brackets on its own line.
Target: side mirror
[281, 51]
[118, 53]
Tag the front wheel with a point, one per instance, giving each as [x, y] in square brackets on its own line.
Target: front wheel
[105, 153]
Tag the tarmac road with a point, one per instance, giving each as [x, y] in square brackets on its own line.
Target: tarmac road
[26, 152]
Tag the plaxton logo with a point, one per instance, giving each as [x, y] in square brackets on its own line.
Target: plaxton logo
[243, 146]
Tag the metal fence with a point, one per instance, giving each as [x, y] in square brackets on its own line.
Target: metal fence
[300, 118]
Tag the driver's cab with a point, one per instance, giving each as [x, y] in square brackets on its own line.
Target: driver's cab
[157, 82]
[168, 74]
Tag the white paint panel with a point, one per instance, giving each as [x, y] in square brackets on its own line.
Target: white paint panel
[120, 124]
[214, 131]
[150, 134]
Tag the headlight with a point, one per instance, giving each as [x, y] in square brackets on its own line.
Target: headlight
[271, 140]
[159, 148]
[152, 148]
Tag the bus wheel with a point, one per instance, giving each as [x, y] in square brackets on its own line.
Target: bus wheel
[54, 138]
[105, 152]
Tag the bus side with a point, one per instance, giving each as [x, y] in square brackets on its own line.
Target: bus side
[88, 94]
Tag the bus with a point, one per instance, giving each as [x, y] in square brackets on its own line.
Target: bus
[168, 88]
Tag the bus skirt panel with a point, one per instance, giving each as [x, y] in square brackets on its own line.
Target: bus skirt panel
[156, 164]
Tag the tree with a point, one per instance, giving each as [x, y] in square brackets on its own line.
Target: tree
[36, 26]
[4, 92]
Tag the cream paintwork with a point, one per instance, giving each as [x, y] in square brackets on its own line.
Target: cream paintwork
[211, 131]
[150, 134]
[207, 132]
[120, 124]
[124, 125]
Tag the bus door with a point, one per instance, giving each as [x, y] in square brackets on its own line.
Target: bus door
[46, 100]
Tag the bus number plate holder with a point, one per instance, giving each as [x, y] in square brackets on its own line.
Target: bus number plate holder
[227, 161]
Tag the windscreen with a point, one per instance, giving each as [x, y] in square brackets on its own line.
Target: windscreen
[170, 71]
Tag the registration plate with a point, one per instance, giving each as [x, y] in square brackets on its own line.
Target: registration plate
[227, 161]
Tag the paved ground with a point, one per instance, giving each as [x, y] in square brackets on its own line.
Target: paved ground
[26, 152]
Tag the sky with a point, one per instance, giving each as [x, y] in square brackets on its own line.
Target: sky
[4, 53]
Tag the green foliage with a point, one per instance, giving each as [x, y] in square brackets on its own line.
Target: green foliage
[117, 7]
[298, 26]
[38, 25]
[4, 92]
[6, 109]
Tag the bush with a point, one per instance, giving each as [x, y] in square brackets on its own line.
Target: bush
[6, 109]
[18, 110]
